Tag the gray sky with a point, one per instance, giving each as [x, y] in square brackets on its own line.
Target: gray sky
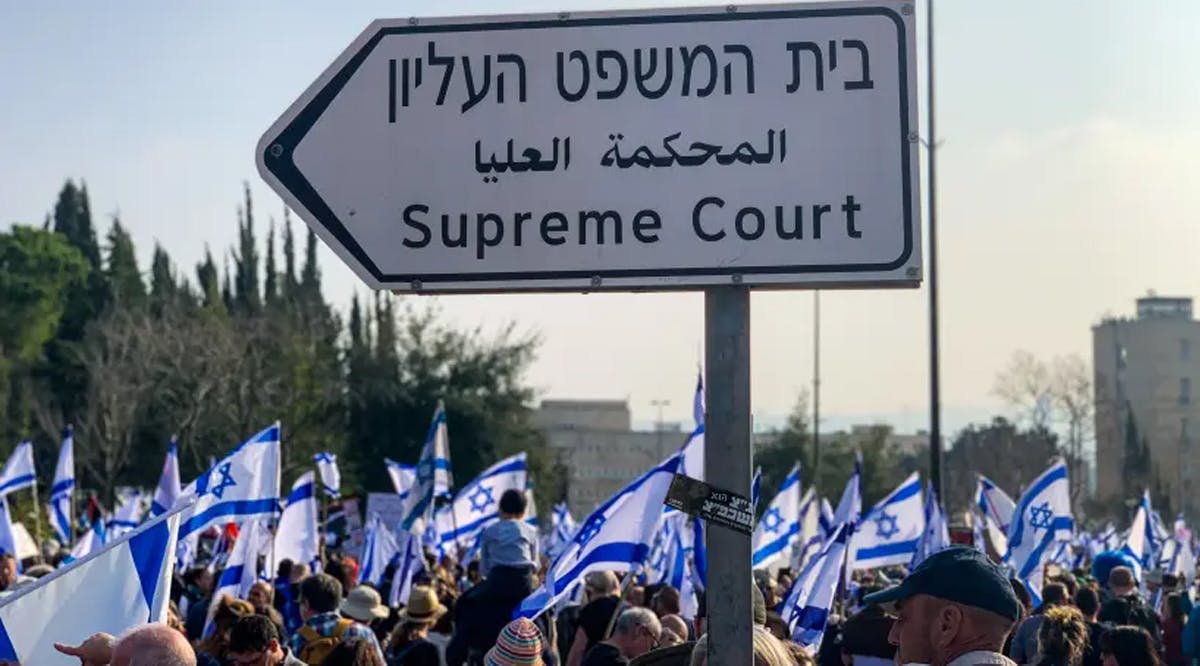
[1067, 185]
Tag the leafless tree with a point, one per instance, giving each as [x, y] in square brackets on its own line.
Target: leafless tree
[1027, 386]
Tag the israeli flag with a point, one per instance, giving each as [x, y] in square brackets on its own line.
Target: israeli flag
[850, 507]
[242, 485]
[477, 505]
[92, 541]
[63, 489]
[409, 561]
[128, 515]
[562, 529]
[996, 507]
[296, 537]
[241, 569]
[331, 478]
[936, 536]
[698, 400]
[433, 472]
[123, 585]
[756, 487]
[18, 472]
[826, 518]
[812, 535]
[779, 529]
[891, 530]
[403, 477]
[810, 600]
[168, 483]
[615, 537]
[1041, 519]
[379, 548]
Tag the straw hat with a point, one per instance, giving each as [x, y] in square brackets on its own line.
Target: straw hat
[423, 606]
[519, 644]
[364, 604]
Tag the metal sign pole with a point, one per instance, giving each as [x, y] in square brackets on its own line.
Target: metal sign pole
[728, 462]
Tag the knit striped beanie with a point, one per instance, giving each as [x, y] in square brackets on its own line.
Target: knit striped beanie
[519, 644]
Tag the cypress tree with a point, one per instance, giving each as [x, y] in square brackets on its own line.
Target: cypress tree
[245, 291]
[124, 279]
[289, 260]
[310, 278]
[271, 278]
[206, 276]
[163, 289]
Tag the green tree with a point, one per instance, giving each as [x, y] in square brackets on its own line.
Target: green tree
[784, 448]
[209, 280]
[124, 279]
[310, 275]
[289, 285]
[1009, 456]
[271, 278]
[245, 287]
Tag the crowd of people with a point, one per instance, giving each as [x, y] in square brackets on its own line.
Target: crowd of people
[957, 608]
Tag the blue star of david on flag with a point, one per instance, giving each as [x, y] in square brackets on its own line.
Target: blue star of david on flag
[885, 525]
[590, 530]
[480, 499]
[218, 490]
[772, 520]
[1041, 516]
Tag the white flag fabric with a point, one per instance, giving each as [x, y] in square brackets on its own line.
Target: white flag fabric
[891, 530]
[379, 548]
[1042, 517]
[997, 509]
[18, 472]
[562, 529]
[242, 485]
[128, 515]
[778, 531]
[403, 477]
[477, 505]
[241, 569]
[409, 561]
[92, 541]
[615, 537]
[531, 514]
[168, 484]
[8, 535]
[808, 604]
[811, 533]
[433, 472]
[331, 476]
[849, 508]
[296, 537]
[126, 584]
[1145, 540]
[63, 489]
[936, 536]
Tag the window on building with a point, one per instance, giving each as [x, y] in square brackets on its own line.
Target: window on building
[1185, 391]
[1185, 349]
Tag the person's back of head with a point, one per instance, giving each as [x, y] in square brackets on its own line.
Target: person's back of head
[513, 503]
[1121, 580]
[321, 593]
[253, 633]
[1068, 581]
[353, 652]
[676, 625]
[1054, 594]
[666, 601]
[769, 651]
[1129, 646]
[1088, 602]
[599, 584]
[153, 645]
[1175, 608]
[284, 570]
[1062, 636]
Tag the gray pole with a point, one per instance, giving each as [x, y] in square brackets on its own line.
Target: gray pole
[728, 463]
[935, 398]
[816, 462]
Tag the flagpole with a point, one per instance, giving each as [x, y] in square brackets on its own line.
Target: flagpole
[37, 521]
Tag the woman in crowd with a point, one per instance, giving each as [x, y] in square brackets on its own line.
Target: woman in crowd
[1062, 637]
[409, 644]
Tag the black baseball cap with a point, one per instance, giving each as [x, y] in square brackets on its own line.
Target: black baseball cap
[959, 574]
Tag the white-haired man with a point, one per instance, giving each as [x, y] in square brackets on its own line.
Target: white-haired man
[148, 645]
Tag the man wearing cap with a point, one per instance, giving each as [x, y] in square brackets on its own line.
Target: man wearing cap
[954, 609]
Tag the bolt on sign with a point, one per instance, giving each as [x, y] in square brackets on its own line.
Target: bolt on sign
[770, 146]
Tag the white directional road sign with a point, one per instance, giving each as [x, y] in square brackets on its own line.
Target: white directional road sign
[762, 145]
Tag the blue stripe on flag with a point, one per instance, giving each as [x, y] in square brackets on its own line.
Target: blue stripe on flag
[887, 549]
[149, 549]
[27, 479]
[302, 493]
[1035, 558]
[239, 508]
[621, 551]
[775, 546]
[7, 651]
[62, 486]
[906, 492]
